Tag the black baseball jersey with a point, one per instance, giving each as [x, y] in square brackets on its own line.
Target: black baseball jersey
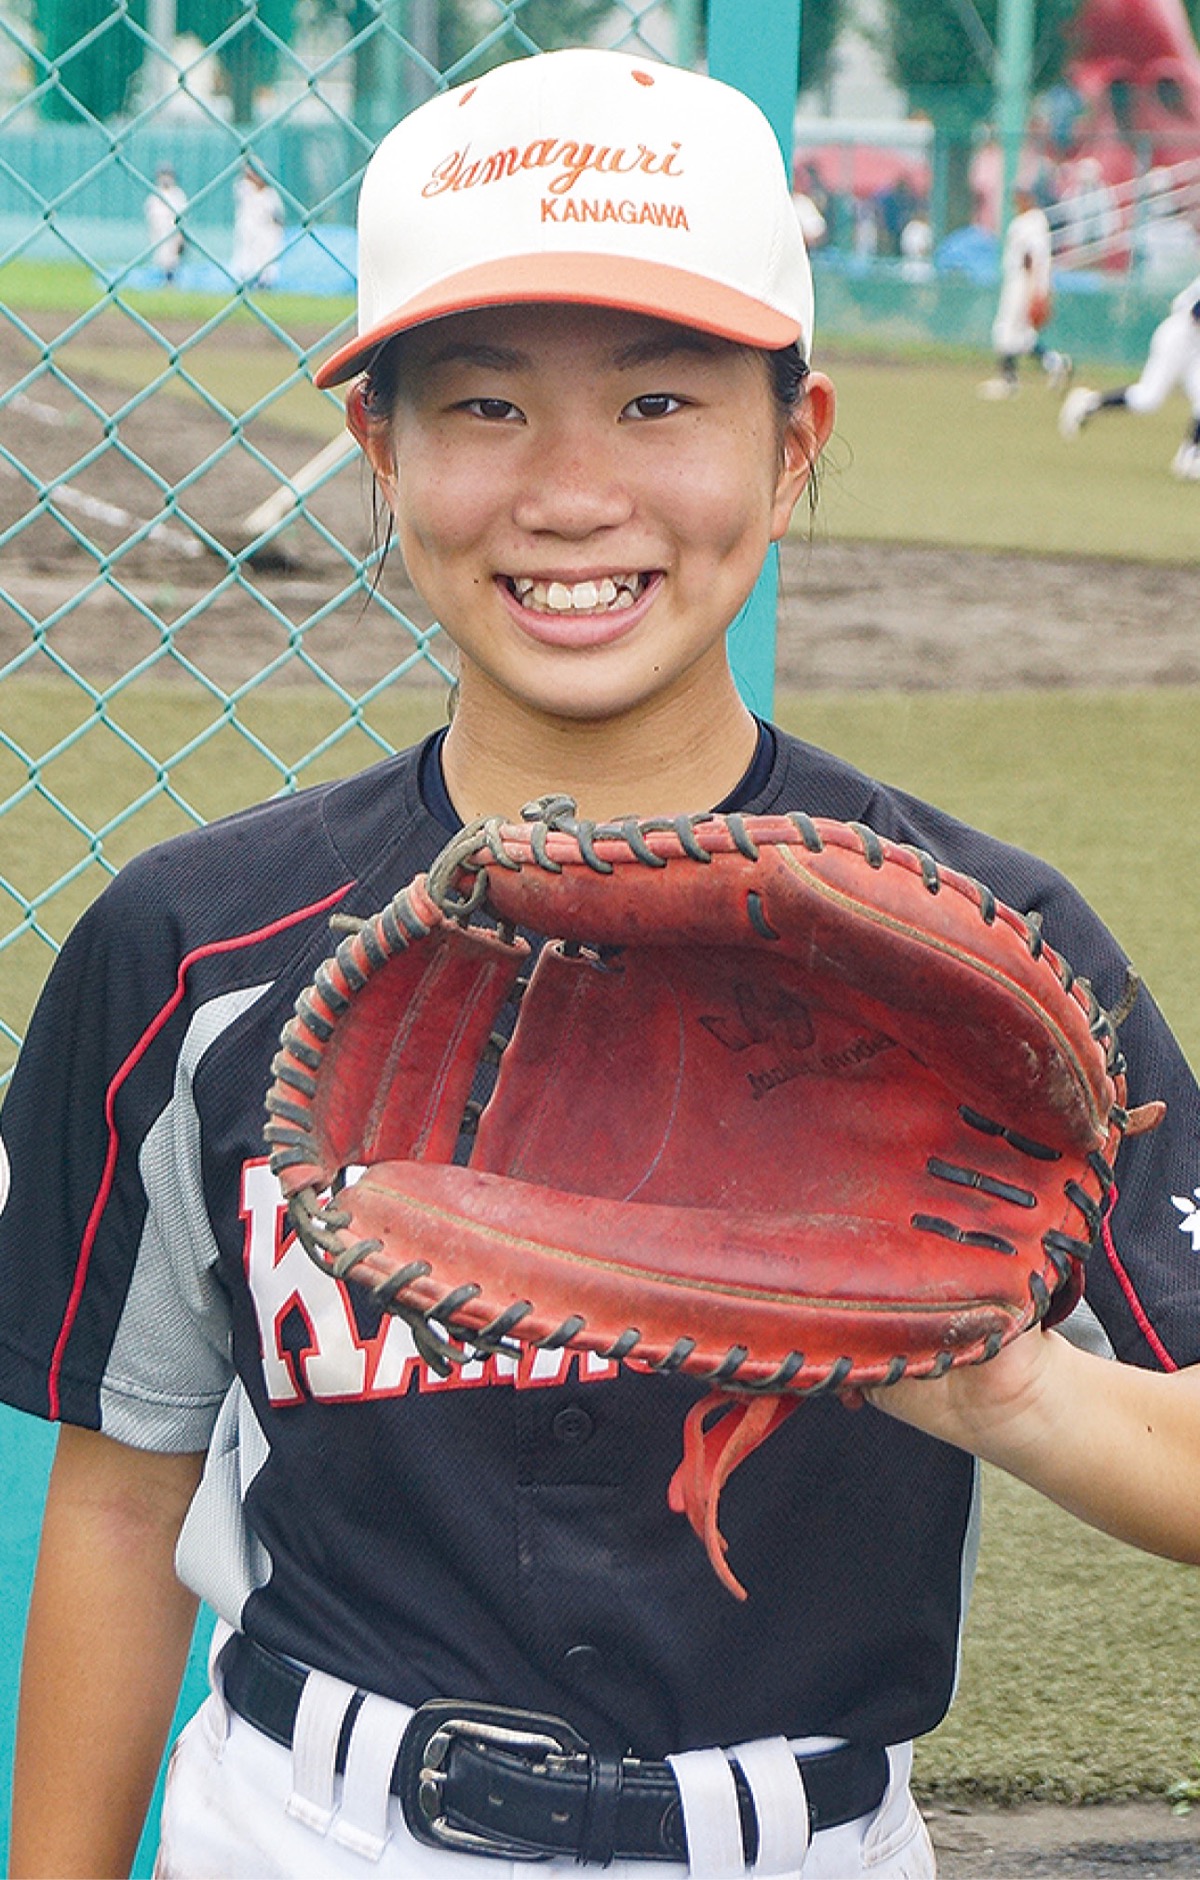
[503, 1534]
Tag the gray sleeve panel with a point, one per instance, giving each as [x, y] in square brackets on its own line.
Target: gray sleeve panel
[968, 1568]
[218, 1556]
[1081, 1327]
[170, 1367]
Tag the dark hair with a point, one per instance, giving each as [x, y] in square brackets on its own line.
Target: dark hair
[788, 371]
[381, 379]
[789, 375]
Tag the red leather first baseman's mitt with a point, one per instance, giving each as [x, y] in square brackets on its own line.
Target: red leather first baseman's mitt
[785, 1106]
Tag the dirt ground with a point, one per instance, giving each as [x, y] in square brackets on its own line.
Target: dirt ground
[102, 565]
[1099, 1843]
[854, 616]
[867, 616]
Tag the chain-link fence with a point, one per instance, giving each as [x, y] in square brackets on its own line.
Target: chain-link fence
[192, 614]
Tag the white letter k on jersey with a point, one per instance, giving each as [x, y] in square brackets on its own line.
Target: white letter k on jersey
[336, 1362]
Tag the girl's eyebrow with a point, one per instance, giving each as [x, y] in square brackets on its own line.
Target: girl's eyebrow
[662, 346]
[478, 353]
[653, 350]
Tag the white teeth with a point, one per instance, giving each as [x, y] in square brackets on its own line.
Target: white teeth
[583, 597]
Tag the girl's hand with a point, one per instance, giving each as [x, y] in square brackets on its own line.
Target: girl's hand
[1116, 1444]
[980, 1407]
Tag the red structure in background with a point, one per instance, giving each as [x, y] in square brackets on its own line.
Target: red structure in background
[1136, 67]
[1118, 146]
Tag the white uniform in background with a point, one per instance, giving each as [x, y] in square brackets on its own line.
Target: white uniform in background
[1173, 357]
[916, 249]
[1173, 360]
[164, 206]
[1024, 283]
[257, 230]
[813, 225]
[1024, 278]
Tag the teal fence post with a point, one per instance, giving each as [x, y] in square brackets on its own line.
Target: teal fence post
[1014, 66]
[26, 1452]
[26, 1447]
[755, 45]
[687, 32]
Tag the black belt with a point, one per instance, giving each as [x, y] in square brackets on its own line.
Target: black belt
[513, 1783]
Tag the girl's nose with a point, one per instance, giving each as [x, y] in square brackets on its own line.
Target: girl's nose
[573, 485]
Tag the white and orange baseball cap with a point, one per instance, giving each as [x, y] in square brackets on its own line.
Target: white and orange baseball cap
[581, 176]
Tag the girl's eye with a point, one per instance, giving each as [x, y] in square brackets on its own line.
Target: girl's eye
[496, 410]
[652, 405]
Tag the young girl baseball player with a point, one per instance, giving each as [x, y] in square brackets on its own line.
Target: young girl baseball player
[459, 1625]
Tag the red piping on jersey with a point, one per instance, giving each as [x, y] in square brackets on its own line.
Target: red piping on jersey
[139, 1050]
[1127, 1287]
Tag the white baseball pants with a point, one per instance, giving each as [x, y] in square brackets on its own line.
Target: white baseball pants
[1173, 359]
[1013, 333]
[238, 1807]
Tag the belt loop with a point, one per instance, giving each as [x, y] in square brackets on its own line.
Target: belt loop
[320, 1714]
[362, 1823]
[597, 1840]
[222, 1632]
[776, 1785]
[896, 1800]
[711, 1822]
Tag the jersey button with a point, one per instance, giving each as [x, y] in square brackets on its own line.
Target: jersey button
[572, 1426]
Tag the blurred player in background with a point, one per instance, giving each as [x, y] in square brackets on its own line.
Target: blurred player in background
[807, 198]
[1172, 360]
[916, 247]
[257, 229]
[164, 207]
[1025, 302]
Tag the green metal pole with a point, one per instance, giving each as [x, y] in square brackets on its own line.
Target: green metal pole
[687, 33]
[1014, 72]
[381, 71]
[755, 45]
[423, 35]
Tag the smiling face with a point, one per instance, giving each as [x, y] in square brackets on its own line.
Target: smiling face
[585, 498]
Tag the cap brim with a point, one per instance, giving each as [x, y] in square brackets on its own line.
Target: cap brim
[649, 287]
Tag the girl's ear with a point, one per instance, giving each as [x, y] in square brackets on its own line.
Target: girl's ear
[806, 435]
[372, 433]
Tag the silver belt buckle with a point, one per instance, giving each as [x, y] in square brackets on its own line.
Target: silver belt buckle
[546, 1743]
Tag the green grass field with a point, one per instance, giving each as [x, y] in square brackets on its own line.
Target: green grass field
[37, 287]
[1081, 1675]
[1081, 1670]
[917, 456]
